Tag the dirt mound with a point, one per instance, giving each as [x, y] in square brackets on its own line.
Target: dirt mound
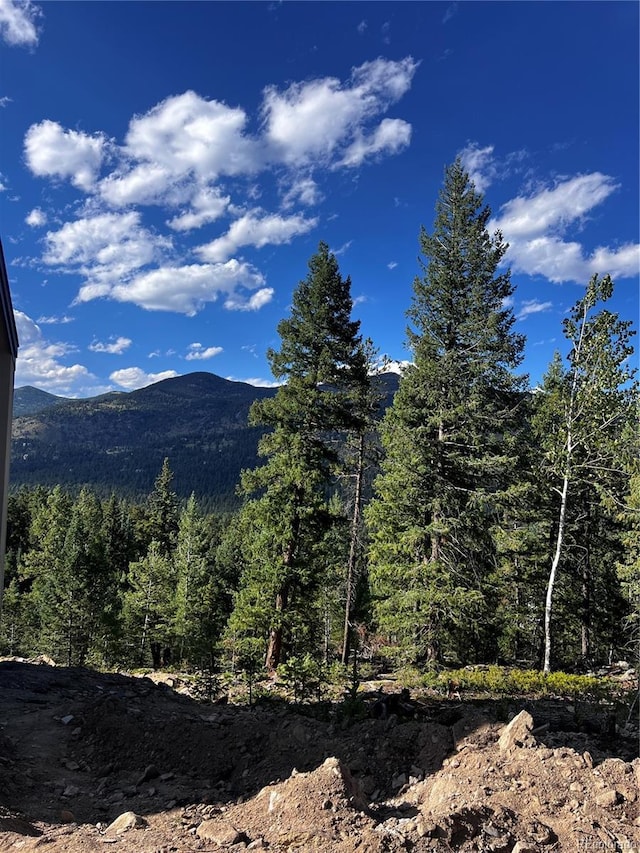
[89, 759]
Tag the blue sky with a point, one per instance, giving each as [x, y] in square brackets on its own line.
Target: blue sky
[167, 169]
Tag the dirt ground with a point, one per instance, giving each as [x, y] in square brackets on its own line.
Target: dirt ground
[138, 764]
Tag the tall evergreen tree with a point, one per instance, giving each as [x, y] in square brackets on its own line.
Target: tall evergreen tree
[162, 512]
[319, 347]
[448, 436]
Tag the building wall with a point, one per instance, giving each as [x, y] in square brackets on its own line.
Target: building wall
[7, 368]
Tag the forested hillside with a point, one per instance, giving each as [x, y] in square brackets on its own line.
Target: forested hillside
[475, 522]
[117, 442]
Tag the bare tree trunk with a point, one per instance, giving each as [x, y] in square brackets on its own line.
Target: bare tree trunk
[274, 650]
[145, 624]
[554, 569]
[564, 492]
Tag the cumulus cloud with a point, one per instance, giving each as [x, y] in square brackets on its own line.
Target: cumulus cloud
[132, 378]
[113, 347]
[535, 225]
[18, 22]
[186, 289]
[105, 249]
[238, 302]
[188, 133]
[390, 137]
[190, 155]
[52, 151]
[255, 229]
[303, 190]
[36, 218]
[199, 353]
[40, 362]
[207, 205]
[318, 120]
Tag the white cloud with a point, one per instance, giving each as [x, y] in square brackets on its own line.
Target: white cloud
[39, 362]
[186, 289]
[392, 265]
[554, 208]
[105, 249]
[256, 382]
[252, 229]
[199, 353]
[237, 302]
[317, 120]
[187, 133]
[36, 218]
[479, 164]
[175, 150]
[303, 190]
[207, 205]
[362, 27]
[51, 321]
[484, 167]
[532, 306]
[52, 151]
[390, 137]
[176, 156]
[342, 249]
[132, 378]
[147, 183]
[115, 347]
[18, 22]
[534, 227]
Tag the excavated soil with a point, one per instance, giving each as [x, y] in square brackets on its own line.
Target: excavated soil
[136, 763]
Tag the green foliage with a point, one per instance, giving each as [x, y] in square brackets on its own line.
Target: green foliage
[501, 681]
[582, 422]
[449, 439]
[302, 676]
[284, 526]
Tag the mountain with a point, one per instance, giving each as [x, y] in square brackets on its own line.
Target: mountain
[29, 400]
[116, 442]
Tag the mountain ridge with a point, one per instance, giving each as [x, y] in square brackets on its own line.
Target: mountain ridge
[116, 442]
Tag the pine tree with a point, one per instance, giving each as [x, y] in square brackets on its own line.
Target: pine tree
[448, 437]
[162, 512]
[147, 608]
[583, 417]
[286, 522]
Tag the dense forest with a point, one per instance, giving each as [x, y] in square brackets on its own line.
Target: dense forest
[478, 521]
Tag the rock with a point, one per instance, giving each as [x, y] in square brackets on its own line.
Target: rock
[221, 833]
[69, 718]
[66, 816]
[398, 781]
[126, 821]
[517, 733]
[151, 772]
[523, 847]
[608, 798]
